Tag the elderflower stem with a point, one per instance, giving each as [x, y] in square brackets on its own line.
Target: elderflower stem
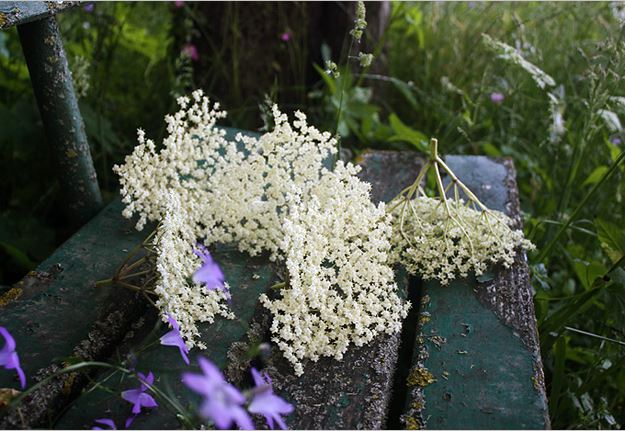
[410, 190]
[441, 189]
[460, 184]
[104, 282]
[134, 274]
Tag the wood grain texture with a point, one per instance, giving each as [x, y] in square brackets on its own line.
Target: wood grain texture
[21, 12]
[64, 128]
[350, 394]
[479, 340]
[58, 313]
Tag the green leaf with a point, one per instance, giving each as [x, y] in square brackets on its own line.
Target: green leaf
[326, 78]
[407, 134]
[19, 257]
[612, 239]
[595, 175]
[588, 272]
[405, 90]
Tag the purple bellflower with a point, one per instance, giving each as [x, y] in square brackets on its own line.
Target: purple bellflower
[173, 338]
[190, 50]
[223, 403]
[497, 98]
[105, 422]
[138, 397]
[286, 36]
[9, 358]
[210, 274]
[266, 403]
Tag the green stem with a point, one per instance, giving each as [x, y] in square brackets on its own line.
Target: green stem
[104, 282]
[547, 250]
[69, 369]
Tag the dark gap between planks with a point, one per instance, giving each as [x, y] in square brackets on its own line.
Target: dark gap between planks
[409, 330]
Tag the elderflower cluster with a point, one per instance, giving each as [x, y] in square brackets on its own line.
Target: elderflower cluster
[267, 194]
[437, 244]
[341, 289]
[187, 302]
[246, 201]
[190, 152]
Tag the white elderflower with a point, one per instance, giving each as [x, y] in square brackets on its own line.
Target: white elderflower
[192, 147]
[341, 289]
[187, 302]
[444, 238]
[268, 194]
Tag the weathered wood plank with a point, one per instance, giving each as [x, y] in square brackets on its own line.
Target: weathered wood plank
[65, 131]
[479, 340]
[55, 312]
[248, 277]
[20, 12]
[352, 393]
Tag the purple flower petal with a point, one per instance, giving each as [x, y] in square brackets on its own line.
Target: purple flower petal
[173, 338]
[497, 98]
[138, 397]
[8, 356]
[222, 402]
[129, 421]
[107, 422]
[266, 403]
[209, 274]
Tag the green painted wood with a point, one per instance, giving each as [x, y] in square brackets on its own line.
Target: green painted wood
[20, 12]
[479, 340]
[248, 277]
[353, 393]
[65, 130]
[55, 312]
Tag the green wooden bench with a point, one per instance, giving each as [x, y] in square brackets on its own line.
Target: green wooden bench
[467, 357]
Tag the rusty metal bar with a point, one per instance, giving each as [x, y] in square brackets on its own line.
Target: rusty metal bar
[63, 124]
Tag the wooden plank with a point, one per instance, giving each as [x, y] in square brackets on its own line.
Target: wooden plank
[479, 340]
[55, 312]
[352, 393]
[65, 131]
[20, 12]
[248, 277]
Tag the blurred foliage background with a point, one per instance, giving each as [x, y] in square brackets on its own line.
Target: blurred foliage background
[434, 74]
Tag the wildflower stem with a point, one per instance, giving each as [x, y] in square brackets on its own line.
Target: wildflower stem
[104, 282]
[547, 250]
[69, 369]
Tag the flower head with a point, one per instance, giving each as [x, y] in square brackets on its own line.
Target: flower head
[222, 402]
[190, 50]
[173, 338]
[89, 7]
[179, 3]
[286, 36]
[138, 397]
[106, 422]
[365, 59]
[210, 274]
[266, 403]
[9, 358]
[496, 98]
